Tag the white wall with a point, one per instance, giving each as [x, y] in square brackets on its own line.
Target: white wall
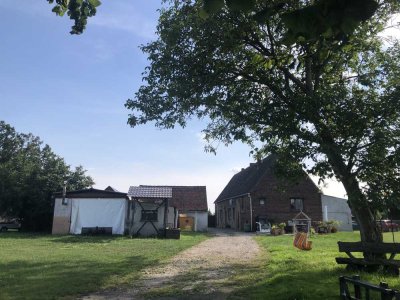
[200, 220]
[62, 216]
[98, 212]
[339, 210]
[148, 229]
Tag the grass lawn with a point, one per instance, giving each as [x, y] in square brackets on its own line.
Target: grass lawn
[34, 266]
[285, 272]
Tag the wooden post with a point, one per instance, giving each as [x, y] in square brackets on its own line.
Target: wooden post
[342, 288]
[165, 214]
[131, 221]
[384, 296]
[357, 288]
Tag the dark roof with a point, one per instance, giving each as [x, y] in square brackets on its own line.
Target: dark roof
[111, 189]
[150, 192]
[187, 198]
[91, 193]
[247, 179]
[243, 182]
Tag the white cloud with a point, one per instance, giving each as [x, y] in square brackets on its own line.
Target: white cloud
[201, 137]
[125, 17]
[331, 187]
[392, 31]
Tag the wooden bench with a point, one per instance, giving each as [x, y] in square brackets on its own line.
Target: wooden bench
[382, 249]
[96, 231]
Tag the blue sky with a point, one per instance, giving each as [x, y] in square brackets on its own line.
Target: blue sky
[70, 91]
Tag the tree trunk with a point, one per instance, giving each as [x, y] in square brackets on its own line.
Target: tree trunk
[359, 206]
[357, 201]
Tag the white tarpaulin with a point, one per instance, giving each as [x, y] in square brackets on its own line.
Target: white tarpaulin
[98, 213]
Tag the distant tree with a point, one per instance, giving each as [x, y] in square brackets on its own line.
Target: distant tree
[329, 98]
[30, 173]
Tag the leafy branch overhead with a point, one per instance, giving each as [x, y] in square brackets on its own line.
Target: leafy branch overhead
[328, 18]
[77, 10]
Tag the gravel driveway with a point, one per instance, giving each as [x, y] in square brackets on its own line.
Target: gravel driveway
[196, 273]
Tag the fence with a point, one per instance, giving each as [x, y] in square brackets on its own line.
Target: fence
[363, 289]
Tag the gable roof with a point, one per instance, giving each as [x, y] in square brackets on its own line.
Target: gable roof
[243, 182]
[187, 198]
[150, 192]
[247, 179]
[90, 193]
[111, 189]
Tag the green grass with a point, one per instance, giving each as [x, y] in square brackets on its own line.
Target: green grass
[36, 266]
[285, 272]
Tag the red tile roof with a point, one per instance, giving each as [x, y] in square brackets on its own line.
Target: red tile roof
[187, 198]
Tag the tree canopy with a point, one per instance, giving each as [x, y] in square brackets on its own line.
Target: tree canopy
[329, 99]
[323, 17]
[30, 173]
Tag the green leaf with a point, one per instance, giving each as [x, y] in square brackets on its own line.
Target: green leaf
[212, 6]
[203, 14]
[240, 5]
[94, 3]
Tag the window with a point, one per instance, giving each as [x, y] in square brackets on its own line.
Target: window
[149, 215]
[296, 204]
[230, 202]
[262, 201]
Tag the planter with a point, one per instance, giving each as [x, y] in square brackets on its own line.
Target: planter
[277, 231]
[247, 227]
[170, 233]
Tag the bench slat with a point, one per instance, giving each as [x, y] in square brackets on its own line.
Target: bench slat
[361, 261]
[381, 248]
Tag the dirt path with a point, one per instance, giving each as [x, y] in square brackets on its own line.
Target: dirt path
[200, 272]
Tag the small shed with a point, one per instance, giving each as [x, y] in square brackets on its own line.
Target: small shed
[191, 202]
[91, 209]
[149, 210]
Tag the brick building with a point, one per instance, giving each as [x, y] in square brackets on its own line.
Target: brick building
[256, 194]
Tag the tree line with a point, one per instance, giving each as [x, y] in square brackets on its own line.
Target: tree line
[30, 172]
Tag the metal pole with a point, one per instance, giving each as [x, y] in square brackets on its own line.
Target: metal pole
[165, 213]
[251, 212]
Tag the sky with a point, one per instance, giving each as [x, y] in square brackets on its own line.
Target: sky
[70, 91]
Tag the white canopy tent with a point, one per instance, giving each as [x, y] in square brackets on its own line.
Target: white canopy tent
[98, 213]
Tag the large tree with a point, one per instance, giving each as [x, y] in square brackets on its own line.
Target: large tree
[331, 98]
[30, 173]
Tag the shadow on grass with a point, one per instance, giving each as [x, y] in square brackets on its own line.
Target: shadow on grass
[51, 280]
[82, 239]
[22, 235]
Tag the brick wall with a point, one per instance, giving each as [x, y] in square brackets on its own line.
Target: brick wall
[276, 195]
[233, 213]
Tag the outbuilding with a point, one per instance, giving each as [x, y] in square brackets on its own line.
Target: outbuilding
[89, 210]
[149, 211]
[191, 204]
